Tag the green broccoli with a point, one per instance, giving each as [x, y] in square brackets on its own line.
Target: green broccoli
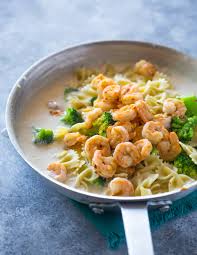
[184, 128]
[103, 123]
[100, 125]
[191, 105]
[92, 100]
[155, 151]
[71, 117]
[99, 181]
[69, 90]
[185, 165]
[42, 136]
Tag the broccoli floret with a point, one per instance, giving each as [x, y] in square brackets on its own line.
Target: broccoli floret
[71, 117]
[155, 151]
[184, 128]
[100, 125]
[191, 105]
[185, 165]
[42, 136]
[99, 181]
[103, 123]
[92, 100]
[69, 90]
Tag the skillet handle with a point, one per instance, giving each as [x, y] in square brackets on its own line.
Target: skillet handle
[137, 228]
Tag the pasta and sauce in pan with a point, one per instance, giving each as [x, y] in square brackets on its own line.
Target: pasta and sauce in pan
[125, 133]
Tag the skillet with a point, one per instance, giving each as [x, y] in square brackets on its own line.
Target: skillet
[181, 68]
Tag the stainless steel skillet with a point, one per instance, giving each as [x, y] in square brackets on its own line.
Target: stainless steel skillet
[183, 71]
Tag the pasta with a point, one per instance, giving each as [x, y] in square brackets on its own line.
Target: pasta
[60, 133]
[127, 127]
[191, 151]
[70, 159]
[85, 176]
[157, 177]
[82, 98]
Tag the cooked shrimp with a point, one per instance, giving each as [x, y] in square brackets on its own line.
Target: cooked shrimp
[130, 94]
[57, 168]
[143, 111]
[126, 154]
[61, 177]
[71, 139]
[132, 98]
[121, 187]
[104, 166]
[144, 147]
[104, 106]
[145, 68]
[138, 133]
[97, 80]
[97, 142]
[174, 107]
[117, 135]
[154, 131]
[102, 84]
[129, 89]
[164, 120]
[169, 148]
[125, 113]
[129, 126]
[92, 116]
[111, 93]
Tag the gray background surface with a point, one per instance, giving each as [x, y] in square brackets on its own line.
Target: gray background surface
[34, 219]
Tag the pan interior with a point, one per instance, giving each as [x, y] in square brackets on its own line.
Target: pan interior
[46, 81]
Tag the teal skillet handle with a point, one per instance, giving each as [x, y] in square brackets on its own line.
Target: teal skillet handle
[137, 228]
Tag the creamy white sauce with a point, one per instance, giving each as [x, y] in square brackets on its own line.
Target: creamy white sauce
[36, 114]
